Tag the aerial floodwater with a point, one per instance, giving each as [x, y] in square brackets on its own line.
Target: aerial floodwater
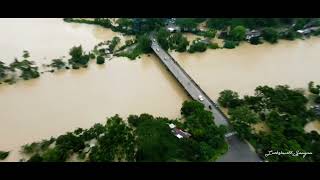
[242, 69]
[59, 102]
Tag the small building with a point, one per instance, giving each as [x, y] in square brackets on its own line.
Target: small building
[312, 23]
[307, 31]
[252, 34]
[178, 132]
[173, 28]
[172, 126]
[316, 109]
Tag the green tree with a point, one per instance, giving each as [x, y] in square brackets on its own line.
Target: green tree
[35, 158]
[133, 120]
[25, 54]
[55, 155]
[230, 44]
[189, 107]
[244, 114]
[162, 38]
[70, 142]
[144, 44]
[4, 154]
[187, 23]
[229, 99]
[100, 60]
[242, 118]
[76, 52]
[197, 46]
[118, 143]
[238, 33]
[178, 42]
[58, 63]
[124, 22]
[270, 35]
[313, 89]
[317, 100]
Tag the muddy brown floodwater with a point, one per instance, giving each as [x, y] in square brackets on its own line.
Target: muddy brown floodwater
[56, 103]
[243, 69]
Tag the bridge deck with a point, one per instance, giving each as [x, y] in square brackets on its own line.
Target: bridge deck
[238, 150]
[189, 84]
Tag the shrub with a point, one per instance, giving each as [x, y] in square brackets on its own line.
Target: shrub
[35, 158]
[230, 44]
[100, 60]
[3, 155]
[197, 46]
[213, 46]
[270, 35]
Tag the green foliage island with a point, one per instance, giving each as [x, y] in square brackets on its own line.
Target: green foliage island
[142, 138]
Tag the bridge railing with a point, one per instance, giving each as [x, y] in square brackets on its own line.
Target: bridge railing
[207, 97]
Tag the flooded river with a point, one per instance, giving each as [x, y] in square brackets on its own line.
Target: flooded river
[243, 69]
[62, 101]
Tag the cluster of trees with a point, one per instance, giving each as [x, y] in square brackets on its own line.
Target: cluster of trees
[197, 45]
[125, 25]
[142, 46]
[315, 90]
[178, 42]
[162, 37]
[4, 155]
[25, 69]
[113, 43]
[4, 70]
[104, 22]
[117, 143]
[143, 138]
[58, 64]
[284, 111]
[78, 57]
[230, 44]
[100, 60]
[114, 142]
[210, 33]
[270, 28]
[254, 23]
[208, 137]
[155, 142]
[236, 29]
[28, 70]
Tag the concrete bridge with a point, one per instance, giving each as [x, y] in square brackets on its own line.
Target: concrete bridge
[239, 151]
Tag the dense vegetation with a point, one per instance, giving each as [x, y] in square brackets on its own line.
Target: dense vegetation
[25, 69]
[315, 91]
[231, 30]
[178, 42]
[284, 113]
[143, 138]
[16, 70]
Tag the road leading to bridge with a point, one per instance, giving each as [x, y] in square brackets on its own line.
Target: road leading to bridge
[239, 151]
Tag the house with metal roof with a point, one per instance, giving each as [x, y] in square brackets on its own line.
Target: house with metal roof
[178, 132]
